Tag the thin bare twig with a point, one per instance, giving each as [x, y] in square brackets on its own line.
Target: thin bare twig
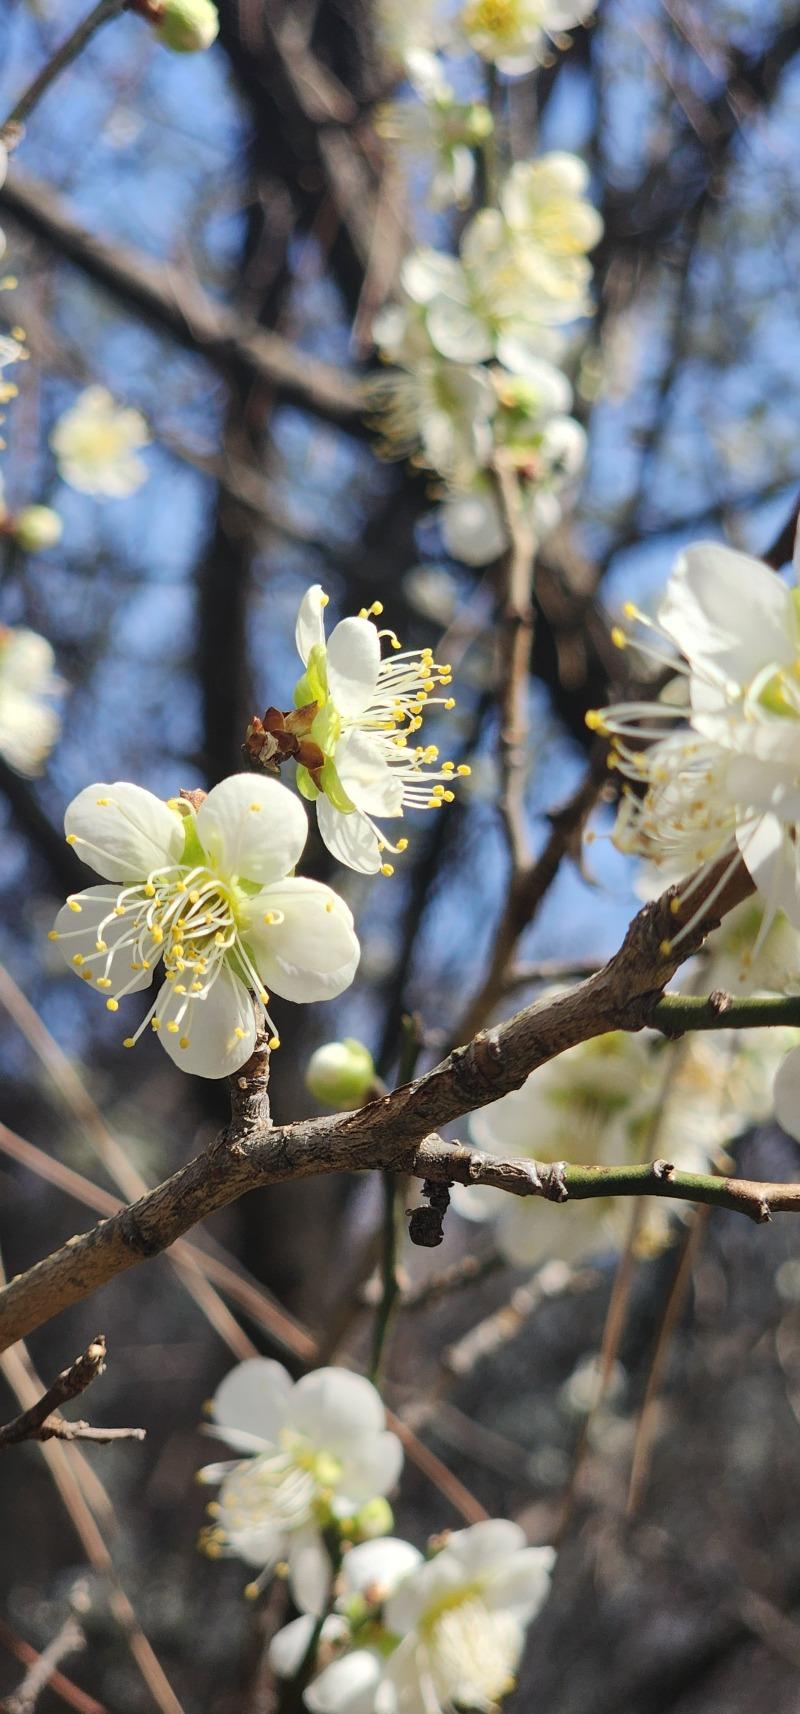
[41, 1670]
[42, 1421]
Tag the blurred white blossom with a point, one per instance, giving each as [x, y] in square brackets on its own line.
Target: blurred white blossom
[517, 35]
[311, 1452]
[29, 686]
[96, 444]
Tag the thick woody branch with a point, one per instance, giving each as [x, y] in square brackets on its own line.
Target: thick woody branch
[170, 300]
[388, 1132]
[43, 1421]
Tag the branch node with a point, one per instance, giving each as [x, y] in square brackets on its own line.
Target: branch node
[553, 1182]
[719, 1001]
[426, 1225]
[663, 1169]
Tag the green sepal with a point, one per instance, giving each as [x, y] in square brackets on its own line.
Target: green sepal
[305, 784]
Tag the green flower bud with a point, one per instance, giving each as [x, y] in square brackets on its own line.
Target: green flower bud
[187, 26]
[341, 1074]
[375, 1519]
[37, 527]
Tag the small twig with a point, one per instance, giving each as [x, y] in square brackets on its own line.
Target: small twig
[390, 1287]
[645, 1427]
[70, 1693]
[43, 1422]
[40, 1672]
[58, 62]
[517, 643]
[674, 1013]
[469, 1271]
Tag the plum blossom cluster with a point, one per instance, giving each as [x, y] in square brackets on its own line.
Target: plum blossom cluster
[516, 36]
[477, 342]
[201, 890]
[383, 1629]
[353, 729]
[618, 1100]
[711, 765]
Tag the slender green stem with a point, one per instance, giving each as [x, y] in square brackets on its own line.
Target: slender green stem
[63, 56]
[390, 1284]
[674, 1013]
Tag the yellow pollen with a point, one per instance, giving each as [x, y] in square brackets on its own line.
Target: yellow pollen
[274, 1041]
[184, 1041]
[104, 981]
[450, 702]
[157, 933]
[149, 890]
[88, 975]
[172, 1027]
[100, 946]
[155, 1023]
[675, 905]
[402, 845]
[239, 1033]
[618, 637]
[77, 957]
[463, 770]
[665, 948]
[323, 600]
[264, 997]
[449, 797]
[129, 1042]
[119, 910]
[269, 918]
[194, 899]
[255, 807]
[102, 801]
[630, 610]
[72, 838]
[387, 869]
[53, 935]
[113, 1005]
[329, 905]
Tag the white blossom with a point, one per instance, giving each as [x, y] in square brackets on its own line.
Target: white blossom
[437, 127]
[720, 775]
[437, 413]
[363, 710]
[96, 444]
[29, 722]
[314, 1450]
[462, 1617]
[359, 1642]
[517, 35]
[211, 894]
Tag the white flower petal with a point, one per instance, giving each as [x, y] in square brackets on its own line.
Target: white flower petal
[786, 1094]
[353, 661]
[219, 1030]
[347, 1686]
[310, 627]
[371, 1468]
[487, 1544]
[369, 781]
[770, 856]
[289, 1646]
[255, 1397]
[472, 528]
[252, 828]
[310, 1570]
[333, 1407]
[379, 1565]
[313, 930]
[124, 832]
[727, 612]
[78, 933]
[522, 1586]
[349, 838]
[256, 1538]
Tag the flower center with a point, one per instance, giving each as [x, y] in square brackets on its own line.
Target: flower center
[497, 18]
[472, 1654]
[266, 1492]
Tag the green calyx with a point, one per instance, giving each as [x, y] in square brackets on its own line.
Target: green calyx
[312, 686]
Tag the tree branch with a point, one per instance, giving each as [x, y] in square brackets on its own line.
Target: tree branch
[169, 300]
[42, 1420]
[389, 1131]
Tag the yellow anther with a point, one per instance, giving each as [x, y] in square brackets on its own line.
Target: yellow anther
[100, 946]
[387, 869]
[618, 637]
[72, 838]
[104, 982]
[395, 642]
[173, 803]
[665, 948]
[77, 957]
[329, 905]
[630, 610]
[402, 845]
[434, 803]
[449, 797]
[251, 1591]
[18, 333]
[274, 1041]
[438, 791]
[448, 767]
[464, 770]
[594, 720]
[102, 801]
[429, 684]
[173, 1027]
[88, 975]
[270, 917]
[450, 702]
[158, 933]
[324, 599]
[194, 899]
[119, 910]
[53, 934]
[180, 988]
[197, 988]
[180, 886]
[675, 906]
[129, 1042]
[377, 609]
[184, 1041]
[255, 807]
[149, 890]
[112, 1005]
[239, 1033]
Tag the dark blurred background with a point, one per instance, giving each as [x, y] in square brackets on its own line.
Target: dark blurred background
[248, 186]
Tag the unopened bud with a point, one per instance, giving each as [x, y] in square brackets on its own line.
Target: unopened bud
[187, 26]
[375, 1519]
[341, 1074]
[36, 528]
